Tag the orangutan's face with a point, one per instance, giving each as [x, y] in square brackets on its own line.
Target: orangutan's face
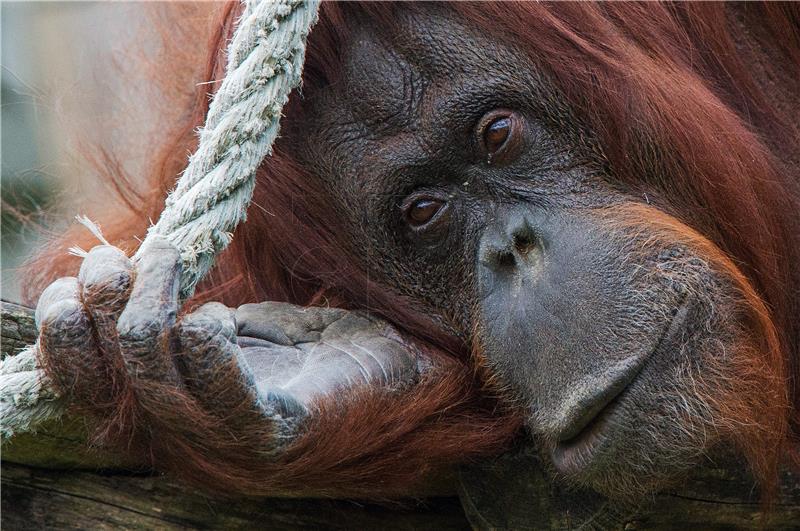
[466, 184]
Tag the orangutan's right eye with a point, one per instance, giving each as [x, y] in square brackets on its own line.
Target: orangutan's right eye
[421, 210]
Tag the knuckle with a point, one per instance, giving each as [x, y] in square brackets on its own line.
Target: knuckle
[59, 289]
[246, 312]
[158, 267]
[67, 313]
[106, 269]
[108, 253]
[213, 322]
[271, 311]
[63, 289]
[108, 294]
[133, 327]
[217, 312]
[161, 247]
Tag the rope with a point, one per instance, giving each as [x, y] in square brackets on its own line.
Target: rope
[26, 399]
[265, 61]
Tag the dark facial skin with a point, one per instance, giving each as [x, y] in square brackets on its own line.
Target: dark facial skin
[466, 184]
[400, 127]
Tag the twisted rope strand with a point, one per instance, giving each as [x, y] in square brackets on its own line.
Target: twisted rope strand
[265, 60]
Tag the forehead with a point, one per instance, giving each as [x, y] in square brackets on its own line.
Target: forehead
[427, 52]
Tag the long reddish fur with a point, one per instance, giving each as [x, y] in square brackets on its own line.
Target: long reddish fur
[680, 116]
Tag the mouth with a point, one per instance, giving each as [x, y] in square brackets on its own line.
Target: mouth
[580, 443]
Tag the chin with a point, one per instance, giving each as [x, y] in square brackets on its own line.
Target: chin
[707, 388]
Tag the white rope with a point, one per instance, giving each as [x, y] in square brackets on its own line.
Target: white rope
[265, 61]
[26, 399]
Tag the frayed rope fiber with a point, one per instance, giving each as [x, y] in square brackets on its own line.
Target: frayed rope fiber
[265, 62]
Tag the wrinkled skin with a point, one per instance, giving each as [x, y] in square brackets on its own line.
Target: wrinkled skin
[606, 321]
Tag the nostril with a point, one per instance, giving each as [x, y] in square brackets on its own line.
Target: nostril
[499, 259]
[511, 246]
[505, 260]
[524, 242]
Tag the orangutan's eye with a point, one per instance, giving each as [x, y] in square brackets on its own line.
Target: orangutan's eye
[496, 134]
[500, 135]
[422, 210]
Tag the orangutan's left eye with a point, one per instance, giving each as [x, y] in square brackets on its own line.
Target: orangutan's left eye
[499, 135]
[496, 134]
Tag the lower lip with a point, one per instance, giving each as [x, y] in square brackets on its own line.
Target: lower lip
[573, 455]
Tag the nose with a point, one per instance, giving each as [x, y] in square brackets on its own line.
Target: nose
[510, 245]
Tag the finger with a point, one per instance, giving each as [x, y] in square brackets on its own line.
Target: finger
[66, 343]
[217, 374]
[285, 324]
[105, 278]
[145, 325]
[60, 290]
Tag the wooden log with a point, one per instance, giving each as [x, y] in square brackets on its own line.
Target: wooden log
[18, 328]
[57, 499]
[53, 480]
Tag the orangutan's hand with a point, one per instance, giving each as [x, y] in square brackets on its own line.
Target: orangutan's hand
[113, 342]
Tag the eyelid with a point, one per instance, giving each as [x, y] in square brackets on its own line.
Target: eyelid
[487, 119]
